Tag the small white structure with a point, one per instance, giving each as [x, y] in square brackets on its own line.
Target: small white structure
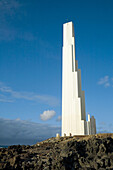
[58, 135]
[73, 98]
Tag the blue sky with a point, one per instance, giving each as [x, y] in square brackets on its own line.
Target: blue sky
[31, 55]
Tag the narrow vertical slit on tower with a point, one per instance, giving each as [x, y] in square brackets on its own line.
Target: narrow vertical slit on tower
[72, 60]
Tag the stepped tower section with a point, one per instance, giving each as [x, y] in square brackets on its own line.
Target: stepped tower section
[73, 98]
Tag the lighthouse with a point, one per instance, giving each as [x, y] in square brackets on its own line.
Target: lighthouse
[73, 98]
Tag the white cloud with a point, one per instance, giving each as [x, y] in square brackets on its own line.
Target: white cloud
[5, 99]
[59, 118]
[104, 127]
[104, 81]
[46, 115]
[107, 84]
[11, 10]
[11, 95]
[8, 34]
[8, 7]
[24, 132]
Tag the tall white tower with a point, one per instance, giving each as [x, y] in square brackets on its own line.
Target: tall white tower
[73, 98]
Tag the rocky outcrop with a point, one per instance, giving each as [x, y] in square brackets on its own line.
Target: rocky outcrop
[64, 153]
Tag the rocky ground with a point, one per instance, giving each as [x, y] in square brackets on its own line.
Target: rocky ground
[69, 153]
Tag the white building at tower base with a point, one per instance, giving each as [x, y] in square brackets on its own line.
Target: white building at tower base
[73, 98]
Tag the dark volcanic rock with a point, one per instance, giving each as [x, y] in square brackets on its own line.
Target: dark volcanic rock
[69, 153]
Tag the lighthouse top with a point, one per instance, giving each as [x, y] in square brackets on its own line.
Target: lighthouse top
[68, 33]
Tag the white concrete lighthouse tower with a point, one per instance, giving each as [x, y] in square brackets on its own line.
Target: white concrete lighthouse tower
[73, 98]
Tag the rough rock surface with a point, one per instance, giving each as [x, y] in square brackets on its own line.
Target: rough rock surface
[65, 153]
